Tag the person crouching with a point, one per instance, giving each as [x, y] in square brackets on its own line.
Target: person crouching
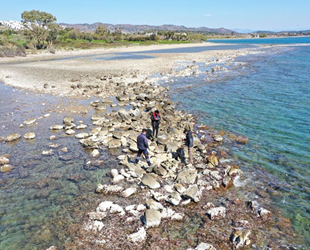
[143, 145]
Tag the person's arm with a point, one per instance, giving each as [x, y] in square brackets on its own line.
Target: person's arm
[146, 143]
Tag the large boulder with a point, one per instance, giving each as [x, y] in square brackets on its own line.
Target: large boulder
[192, 193]
[114, 143]
[217, 213]
[124, 115]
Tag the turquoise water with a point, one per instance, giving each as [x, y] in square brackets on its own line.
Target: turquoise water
[267, 101]
[282, 40]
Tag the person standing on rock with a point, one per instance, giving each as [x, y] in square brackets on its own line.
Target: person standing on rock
[189, 142]
[143, 145]
[155, 117]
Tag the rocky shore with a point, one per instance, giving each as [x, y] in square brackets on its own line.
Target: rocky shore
[170, 205]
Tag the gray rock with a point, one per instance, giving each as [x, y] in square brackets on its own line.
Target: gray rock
[160, 170]
[4, 160]
[114, 143]
[124, 115]
[192, 193]
[6, 168]
[187, 176]
[56, 127]
[152, 218]
[129, 191]
[68, 120]
[149, 180]
[82, 135]
[174, 198]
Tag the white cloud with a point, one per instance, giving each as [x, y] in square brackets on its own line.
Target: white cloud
[208, 15]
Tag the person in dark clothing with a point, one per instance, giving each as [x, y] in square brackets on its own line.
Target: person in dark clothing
[189, 142]
[155, 117]
[149, 134]
[180, 154]
[143, 145]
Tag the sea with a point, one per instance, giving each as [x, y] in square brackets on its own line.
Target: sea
[264, 96]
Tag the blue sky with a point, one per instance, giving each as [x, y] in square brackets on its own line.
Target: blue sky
[233, 14]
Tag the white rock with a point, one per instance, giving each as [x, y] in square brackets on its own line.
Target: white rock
[139, 236]
[117, 209]
[117, 179]
[70, 132]
[177, 216]
[128, 192]
[114, 172]
[95, 153]
[141, 208]
[217, 213]
[104, 206]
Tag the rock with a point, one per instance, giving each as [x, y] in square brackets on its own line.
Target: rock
[217, 213]
[95, 153]
[213, 159]
[227, 181]
[177, 217]
[234, 171]
[218, 138]
[253, 205]
[172, 146]
[242, 139]
[104, 206]
[151, 204]
[152, 218]
[187, 176]
[30, 121]
[205, 246]
[192, 193]
[95, 226]
[81, 126]
[82, 135]
[117, 209]
[114, 143]
[149, 180]
[29, 136]
[174, 198]
[47, 152]
[118, 178]
[240, 239]
[129, 191]
[139, 236]
[96, 215]
[53, 137]
[12, 137]
[70, 132]
[106, 189]
[160, 170]
[124, 115]
[4, 160]
[179, 187]
[56, 127]
[264, 214]
[6, 168]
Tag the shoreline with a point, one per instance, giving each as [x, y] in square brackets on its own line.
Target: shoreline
[120, 88]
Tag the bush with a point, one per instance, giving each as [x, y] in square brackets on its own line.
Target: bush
[11, 50]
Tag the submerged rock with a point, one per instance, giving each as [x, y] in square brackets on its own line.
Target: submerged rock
[29, 136]
[30, 121]
[6, 168]
[56, 127]
[12, 137]
[4, 160]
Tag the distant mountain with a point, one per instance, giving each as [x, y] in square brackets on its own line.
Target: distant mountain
[243, 31]
[129, 28]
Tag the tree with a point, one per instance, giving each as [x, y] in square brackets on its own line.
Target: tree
[102, 30]
[39, 25]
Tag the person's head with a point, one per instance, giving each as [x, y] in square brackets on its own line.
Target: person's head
[185, 131]
[156, 112]
[144, 131]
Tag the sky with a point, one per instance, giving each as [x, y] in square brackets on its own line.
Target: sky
[273, 15]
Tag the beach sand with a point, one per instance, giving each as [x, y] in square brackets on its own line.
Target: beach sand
[56, 73]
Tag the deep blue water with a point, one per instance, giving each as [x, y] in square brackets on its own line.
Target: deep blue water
[282, 40]
[267, 101]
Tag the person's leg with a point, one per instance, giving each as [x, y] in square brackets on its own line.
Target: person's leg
[156, 128]
[138, 156]
[146, 154]
[190, 154]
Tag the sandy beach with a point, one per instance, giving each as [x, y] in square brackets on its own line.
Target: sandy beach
[55, 73]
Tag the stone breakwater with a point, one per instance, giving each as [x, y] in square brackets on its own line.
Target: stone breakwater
[141, 204]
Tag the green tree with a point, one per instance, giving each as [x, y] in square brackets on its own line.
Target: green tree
[39, 25]
[102, 30]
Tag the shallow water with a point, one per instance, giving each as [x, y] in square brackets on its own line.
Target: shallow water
[43, 195]
[268, 101]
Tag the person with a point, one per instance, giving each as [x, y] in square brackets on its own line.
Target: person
[155, 117]
[180, 154]
[143, 145]
[189, 142]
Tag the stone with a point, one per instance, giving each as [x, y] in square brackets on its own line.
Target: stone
[217, 213]
[205, 246]
[179, 187]
[4, 160]
[95, 153]
[47, 152]
[53, 137]
[242, 139]
[6, 168]
[114, 143]
[139, 236]
[218, 138]
[104, 206]
[81, 126]
[160, 170]
[106, 189]
[117, 209]
[56, 127]
[30, 121]
[29, 135]
[96, 215]
[151, 204]
[129, 191]
[82, 135]
[124, 115]
[264, 214]
[241, 239]
[192, 193]
[118, 178]
[213, 159]
[187, 176]
[152, 218]
[174, 198]
[114, 172]
[70, 132]
[149, 180]
[177, 216]
[12, 137]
